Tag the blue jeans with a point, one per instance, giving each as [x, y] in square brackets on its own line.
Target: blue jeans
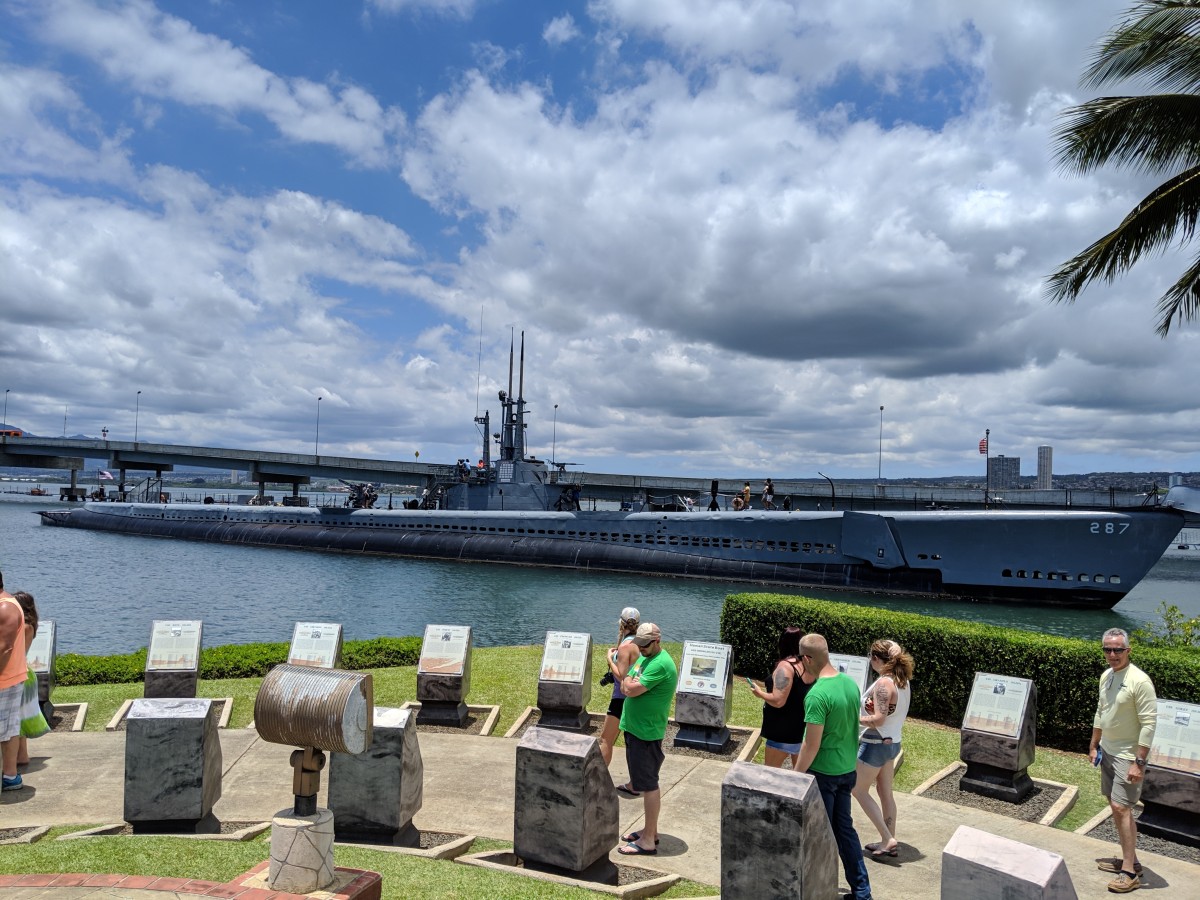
[835, 793]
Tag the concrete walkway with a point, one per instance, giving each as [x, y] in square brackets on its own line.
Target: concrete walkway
[77, 778]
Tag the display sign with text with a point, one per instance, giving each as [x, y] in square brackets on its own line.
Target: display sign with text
[444, 650]
[565, 657]
[1177, 737]
[705, 668]
[317, 644]
[857, 667]
[997, 704]
[41, 652]
[174, 646]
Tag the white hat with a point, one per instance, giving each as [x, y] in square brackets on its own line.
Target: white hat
[630, 614]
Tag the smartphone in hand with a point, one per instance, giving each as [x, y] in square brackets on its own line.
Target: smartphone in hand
[749, 682]
[1099, 756]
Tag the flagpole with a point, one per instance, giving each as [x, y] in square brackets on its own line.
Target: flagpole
[987, 475]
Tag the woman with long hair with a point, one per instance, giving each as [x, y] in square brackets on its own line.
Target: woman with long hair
[783, 702]
[620, 657]
[884, 709]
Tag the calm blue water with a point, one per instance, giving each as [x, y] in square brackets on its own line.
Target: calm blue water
[104, 590]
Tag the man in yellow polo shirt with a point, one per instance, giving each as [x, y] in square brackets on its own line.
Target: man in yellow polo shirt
[1122, 733]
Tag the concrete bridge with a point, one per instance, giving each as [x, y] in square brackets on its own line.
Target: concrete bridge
[298, 469]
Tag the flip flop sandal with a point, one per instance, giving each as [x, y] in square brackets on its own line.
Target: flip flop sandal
[634, 836]
[636, 850]
[627, 790]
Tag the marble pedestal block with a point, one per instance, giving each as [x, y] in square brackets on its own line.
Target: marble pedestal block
[376, 793]
[984, 866]
[178, 684]
[172, 763]
[563, 704]
[998, 765]
[1171, 805]
[701, 719]
[775, 836]
[301, 852]
[443, 698]
[566, 811]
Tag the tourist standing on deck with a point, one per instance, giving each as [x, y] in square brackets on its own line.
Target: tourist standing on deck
[12, 685]
[649, 689]
[830, 753]
[783, 702]
[884, 709]
[1121, 736]
[620, 660]
[768, 495]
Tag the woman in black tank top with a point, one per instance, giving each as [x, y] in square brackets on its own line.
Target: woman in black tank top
[783, 702]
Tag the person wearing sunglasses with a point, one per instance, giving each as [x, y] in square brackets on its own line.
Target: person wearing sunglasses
[884, 709]
[1122, 733]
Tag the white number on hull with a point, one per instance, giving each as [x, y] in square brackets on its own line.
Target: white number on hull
[1109, 527]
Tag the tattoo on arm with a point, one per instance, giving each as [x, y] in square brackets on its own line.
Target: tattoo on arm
[782, 679]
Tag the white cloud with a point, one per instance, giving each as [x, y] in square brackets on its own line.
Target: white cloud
[560, 30]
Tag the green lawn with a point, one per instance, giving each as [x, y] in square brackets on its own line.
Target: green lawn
[503, 676]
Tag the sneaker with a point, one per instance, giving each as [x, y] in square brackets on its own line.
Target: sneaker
[13, 784]
[1124, 883]
[1113, 864]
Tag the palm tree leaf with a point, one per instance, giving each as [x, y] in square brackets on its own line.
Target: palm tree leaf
[1182, 301]
[1156, 133]
[1167, 213]
[1159, 41]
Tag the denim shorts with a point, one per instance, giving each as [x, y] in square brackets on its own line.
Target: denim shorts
[875, 755]
[786, 748]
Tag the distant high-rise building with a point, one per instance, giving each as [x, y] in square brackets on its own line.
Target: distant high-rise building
[1004, 472]
[1045, 480]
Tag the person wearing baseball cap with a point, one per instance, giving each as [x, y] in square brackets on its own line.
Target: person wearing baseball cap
[620, 658]
[649, 689]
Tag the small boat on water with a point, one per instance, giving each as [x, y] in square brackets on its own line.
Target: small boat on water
[38, 492]
[515, 510]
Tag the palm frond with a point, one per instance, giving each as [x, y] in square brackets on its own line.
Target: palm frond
[1159, 41]
[1182, 301]
[1155, 133]
[1167, 213]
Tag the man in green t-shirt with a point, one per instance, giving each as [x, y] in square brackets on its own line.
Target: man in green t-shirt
[830, 753]
[649, 689]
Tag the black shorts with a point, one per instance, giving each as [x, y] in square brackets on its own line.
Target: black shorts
[644, 759]
[615, 705]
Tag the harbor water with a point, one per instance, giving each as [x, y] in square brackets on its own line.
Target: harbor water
[103, 591]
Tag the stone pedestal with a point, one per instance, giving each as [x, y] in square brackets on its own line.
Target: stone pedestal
[566, 811]
[172, 763]
[563, 704]
[443, 698]
[701, 719]
[998, 765]
[1171, 801]
[375, 794]
[301, 852]
[177, 684]
[775, 836]
[984, 866]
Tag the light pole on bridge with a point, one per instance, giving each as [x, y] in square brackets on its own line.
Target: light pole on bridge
[137, 411]
[317, 438]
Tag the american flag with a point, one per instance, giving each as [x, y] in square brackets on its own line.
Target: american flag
[106, 475]
[983, 445]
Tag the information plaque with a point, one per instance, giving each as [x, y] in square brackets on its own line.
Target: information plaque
[705, 668]
[444, 650]
[317, 644]
[566, 656]
[41, 652]
[174, 646]
[1177, 737]
[997, 704]
[857, 667]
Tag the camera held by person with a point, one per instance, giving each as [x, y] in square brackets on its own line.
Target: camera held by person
[607, 679]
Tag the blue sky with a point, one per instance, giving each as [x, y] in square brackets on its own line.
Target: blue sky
[730, 229]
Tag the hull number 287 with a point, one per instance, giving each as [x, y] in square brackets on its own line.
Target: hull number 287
[1109, 527]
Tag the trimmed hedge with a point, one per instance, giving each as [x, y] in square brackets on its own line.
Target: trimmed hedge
[233, 661]
[948, 653]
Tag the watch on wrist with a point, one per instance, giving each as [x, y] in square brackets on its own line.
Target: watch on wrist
[1141, 761]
